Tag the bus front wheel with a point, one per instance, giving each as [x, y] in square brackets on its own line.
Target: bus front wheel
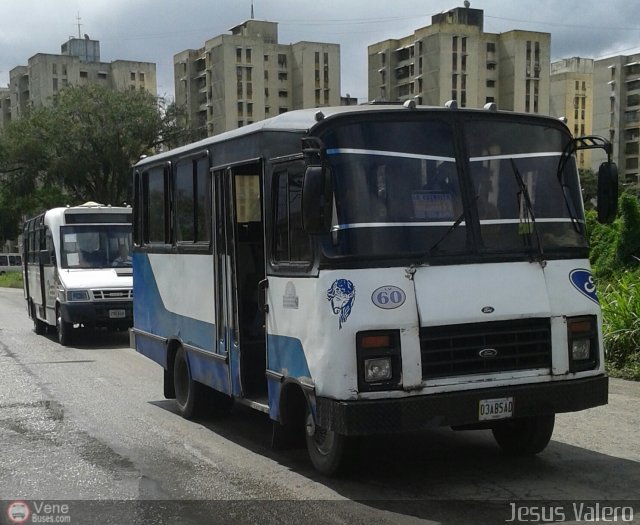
[64, 329]
[525, 436]
[327, 449]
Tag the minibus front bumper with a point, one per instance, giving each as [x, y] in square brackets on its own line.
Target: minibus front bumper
[457, 409]
[111, 314]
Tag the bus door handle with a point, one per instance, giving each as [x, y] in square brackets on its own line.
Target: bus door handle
[262, 296]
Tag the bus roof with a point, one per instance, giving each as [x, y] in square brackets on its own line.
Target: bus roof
[303, 120]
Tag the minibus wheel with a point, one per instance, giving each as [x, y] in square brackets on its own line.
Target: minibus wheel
[189, 393]
[326, 448]
[524, 436]
[39, 327]
[64, 329]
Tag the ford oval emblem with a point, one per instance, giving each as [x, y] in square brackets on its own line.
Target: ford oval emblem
[488, 310]
[488, 352]
[582, 280]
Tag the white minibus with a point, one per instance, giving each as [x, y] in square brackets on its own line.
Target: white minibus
[78, 270]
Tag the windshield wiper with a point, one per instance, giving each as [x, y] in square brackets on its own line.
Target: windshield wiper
[527, 219]
[457, 223]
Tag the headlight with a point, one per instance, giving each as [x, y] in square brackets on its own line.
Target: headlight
[379, 361]
[377, 369]
[77, 295]
[583, 343]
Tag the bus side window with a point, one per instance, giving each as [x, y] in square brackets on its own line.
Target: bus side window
[155, 205]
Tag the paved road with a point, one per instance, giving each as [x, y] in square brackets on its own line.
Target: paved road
[89, 424]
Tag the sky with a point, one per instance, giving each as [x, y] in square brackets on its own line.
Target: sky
[155, 30]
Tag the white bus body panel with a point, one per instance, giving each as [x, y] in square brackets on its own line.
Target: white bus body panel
[190, 297]
[435, 296]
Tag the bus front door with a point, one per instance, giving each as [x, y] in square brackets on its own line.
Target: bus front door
[240, 264]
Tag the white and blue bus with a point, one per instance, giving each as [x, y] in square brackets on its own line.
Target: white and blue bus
[78, 269]
[371, 269]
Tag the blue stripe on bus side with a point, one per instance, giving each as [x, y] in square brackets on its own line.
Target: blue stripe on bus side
[154, 349]
[150, 314]
[285, 355]
[209, 371]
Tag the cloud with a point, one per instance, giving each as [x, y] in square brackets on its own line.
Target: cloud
[155, 30]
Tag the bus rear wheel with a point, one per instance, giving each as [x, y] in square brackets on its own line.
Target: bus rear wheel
[189, 393]
[39, 327]
[327, 449]
[525, 436]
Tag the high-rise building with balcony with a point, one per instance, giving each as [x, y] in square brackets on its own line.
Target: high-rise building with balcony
[454, 59]
[617, 112]
[239, 78]
[571, 96]
[78, 64]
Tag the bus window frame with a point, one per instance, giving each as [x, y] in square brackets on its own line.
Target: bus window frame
[143, 207]
[195, 246]
[281, 267]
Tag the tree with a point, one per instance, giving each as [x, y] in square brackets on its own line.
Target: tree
[589, 184]
[85, 144]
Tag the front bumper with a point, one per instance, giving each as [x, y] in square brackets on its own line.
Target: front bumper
[384, 416]
[98, 313]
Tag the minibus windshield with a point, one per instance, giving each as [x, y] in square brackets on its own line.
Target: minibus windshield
[95, 246]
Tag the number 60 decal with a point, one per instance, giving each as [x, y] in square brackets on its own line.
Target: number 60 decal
[388, 297]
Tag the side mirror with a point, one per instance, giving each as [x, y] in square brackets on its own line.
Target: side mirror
[607, 192]
[317, 200]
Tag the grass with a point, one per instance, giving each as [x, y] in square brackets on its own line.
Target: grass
[620, 302]
[11, 280]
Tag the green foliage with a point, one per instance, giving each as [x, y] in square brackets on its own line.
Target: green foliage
[79, 149]
[615, 258]
[620, 302]
[628, 242]
[616, 247]
[589, 185]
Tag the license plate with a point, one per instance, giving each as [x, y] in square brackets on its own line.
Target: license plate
[117, 314]
[489, 409]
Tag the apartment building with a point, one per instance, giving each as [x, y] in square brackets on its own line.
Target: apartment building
[239, 78]
[5, 106]
[571, 96]
[78, 64]
[454, 59]
[616, 114]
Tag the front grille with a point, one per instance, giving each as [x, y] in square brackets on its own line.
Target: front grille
[114, 294]
[482, 348]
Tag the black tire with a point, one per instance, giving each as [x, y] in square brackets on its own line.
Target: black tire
[190, 395]
[327, 449]
[64, 329]
[524, 436]
[39, 327]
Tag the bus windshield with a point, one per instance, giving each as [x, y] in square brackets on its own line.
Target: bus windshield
[400, 190]
[95, 246]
